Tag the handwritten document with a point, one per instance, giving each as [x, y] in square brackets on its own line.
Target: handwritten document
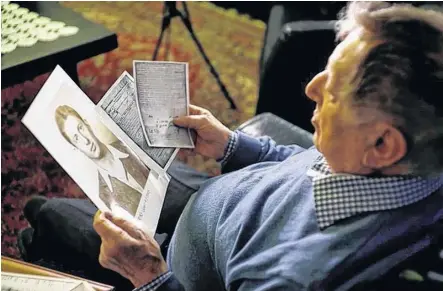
[162, 94]
[22, 282]
[120, 105]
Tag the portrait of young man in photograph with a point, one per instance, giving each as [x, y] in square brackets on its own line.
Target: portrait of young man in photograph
[121, 175]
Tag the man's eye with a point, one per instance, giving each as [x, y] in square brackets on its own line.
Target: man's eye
[75, 138]
[80, 126]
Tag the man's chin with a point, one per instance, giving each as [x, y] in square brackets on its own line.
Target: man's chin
[315, 140]
[95, 156]
[98, 157]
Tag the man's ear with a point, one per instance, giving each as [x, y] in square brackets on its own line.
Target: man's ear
[387, 145]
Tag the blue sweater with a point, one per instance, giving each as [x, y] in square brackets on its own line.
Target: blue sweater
[256, 228]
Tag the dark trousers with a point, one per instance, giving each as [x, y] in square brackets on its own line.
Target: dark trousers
[64, 235]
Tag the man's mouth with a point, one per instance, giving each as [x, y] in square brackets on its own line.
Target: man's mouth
[314, 117]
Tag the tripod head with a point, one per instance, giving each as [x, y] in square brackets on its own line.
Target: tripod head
[170, 8]
[169, 11]
[171, 5]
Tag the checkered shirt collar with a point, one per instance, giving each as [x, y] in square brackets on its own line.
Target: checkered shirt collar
[156, 283]
[340, 196]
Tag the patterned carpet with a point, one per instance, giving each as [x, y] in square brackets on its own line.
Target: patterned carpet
[232, 42]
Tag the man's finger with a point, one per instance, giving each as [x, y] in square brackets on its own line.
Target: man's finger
[187, 152]
[191, 121]
[130, 226]
[184, 153]
[102, 258]
[195, 110]
[108, 230]
[108, 262]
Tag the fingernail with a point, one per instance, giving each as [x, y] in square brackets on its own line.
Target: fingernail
[97, 214]
[108, 215]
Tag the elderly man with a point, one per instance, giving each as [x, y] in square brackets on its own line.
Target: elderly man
[288, 216]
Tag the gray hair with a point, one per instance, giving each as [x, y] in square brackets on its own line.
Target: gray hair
[402, 77]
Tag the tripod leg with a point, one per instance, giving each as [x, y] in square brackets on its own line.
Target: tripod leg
[166, 21]
[188, 25]
[167, 44]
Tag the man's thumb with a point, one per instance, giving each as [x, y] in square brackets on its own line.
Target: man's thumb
[192, 121]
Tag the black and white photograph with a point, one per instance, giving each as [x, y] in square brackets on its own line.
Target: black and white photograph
[121, 175]
[64, 120]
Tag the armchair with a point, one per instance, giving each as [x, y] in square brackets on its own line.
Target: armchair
[294, 50]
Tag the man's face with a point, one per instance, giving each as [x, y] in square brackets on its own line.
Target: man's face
[81, 136]
[339, 134]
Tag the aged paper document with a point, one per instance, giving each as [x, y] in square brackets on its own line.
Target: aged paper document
[162, 93]
[119, 106]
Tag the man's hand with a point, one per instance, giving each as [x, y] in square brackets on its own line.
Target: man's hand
[212, 135]
[128, 250]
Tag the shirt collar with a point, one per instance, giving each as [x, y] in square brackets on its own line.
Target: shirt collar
[116, 152]
[105, 173]
[340, 196]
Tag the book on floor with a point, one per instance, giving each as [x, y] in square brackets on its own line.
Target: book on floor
[25, 282]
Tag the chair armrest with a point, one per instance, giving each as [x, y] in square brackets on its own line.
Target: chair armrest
[307, 26]
[278, 129]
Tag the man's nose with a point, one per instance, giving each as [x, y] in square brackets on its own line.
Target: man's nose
[85, 139]
[314, 88]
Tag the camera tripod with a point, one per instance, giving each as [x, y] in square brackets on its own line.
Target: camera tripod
[169, 11]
